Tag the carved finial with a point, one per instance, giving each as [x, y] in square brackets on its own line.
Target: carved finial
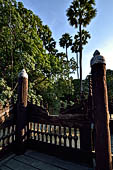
[97, 58]
[23, 74]
[96, 53]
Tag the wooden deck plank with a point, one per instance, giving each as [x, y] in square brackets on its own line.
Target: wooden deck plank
[55, 161]
[36, 163]
[4, 168]
[32, 160]
[16, 165]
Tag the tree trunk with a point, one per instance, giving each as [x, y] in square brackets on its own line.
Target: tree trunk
[67, 61]
[77, 65]
[81, 88]
[66, 53]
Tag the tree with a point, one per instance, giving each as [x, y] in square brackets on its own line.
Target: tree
[79, 15]
[75, 49]
[75, 45]
[66, 42]
[19, 36]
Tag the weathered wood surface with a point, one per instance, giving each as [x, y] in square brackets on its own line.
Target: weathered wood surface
[33, 160]
[100, 99]
[40, 115]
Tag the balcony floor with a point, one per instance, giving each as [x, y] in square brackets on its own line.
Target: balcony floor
[32, 160]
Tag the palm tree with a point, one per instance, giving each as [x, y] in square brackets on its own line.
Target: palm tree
[75, 49]
[65, 42]
[75, 45]
[79, 15]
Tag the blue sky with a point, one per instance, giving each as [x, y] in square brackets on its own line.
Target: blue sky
[53, 14]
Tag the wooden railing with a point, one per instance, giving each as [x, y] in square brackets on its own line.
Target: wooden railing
[7, 136]
[7, 139]
[56, 139]
[58, 135]
[7, 128]
[55, 135]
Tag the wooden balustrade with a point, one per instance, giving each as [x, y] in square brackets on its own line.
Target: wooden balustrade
[7, 136]
[57, 135]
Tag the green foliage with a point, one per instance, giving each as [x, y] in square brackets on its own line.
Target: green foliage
[109, 77]
[65, 41]
[26, 43]
[81, 12]
[69, 65]
[5, 91]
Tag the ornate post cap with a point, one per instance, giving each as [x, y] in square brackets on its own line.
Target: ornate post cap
[97, 58]
[23, 74]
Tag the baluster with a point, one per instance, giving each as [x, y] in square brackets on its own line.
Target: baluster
[78, 137]
[60, 135]
[40, 136]
[27, 132]
[50, 135]
[40, 127]
[42, 132]
[70, 138]
[46, 133]
[13, 132]
[23, 134]
[34, 131]
[30, 129]
[65, 136]
[38, 132]
[57, 138]
[75, 137]
[55, 135]
[72, 135]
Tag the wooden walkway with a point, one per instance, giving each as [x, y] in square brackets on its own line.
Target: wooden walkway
[32, 160]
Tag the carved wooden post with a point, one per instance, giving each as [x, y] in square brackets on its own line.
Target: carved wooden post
[85, 137]
[99, 87]
[21, 108]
